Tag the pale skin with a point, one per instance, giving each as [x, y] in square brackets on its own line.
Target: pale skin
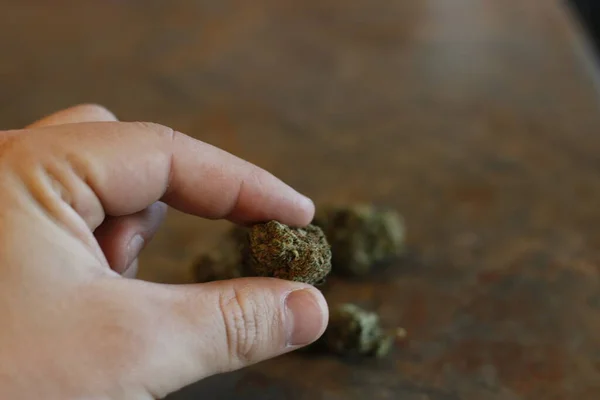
[80, 196]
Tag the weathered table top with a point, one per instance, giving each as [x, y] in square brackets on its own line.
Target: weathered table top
[478, 119]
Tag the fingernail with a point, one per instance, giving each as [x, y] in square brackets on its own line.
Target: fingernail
[307, 201]
[136, 244]
[308, 206]
[304, 317]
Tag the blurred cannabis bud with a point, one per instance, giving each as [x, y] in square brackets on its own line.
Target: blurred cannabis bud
[353, 331]
[225, 261]
[361, 236]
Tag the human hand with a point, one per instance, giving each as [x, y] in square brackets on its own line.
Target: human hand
[80, 193]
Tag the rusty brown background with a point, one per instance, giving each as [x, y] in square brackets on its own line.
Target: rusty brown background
[478, 119]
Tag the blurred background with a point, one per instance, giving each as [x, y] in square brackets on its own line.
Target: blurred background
[477, 119]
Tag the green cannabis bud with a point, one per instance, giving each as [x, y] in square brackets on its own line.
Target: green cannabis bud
[361, 236]
[353, 331]
[295, 254]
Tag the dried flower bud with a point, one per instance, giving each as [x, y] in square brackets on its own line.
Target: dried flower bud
[361, 236]
[353, 331]
[296, 254]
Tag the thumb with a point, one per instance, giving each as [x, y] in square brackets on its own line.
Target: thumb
[226, 325]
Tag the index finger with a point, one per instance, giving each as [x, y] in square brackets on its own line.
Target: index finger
[125, 167]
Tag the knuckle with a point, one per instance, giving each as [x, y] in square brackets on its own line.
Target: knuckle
[241, 316]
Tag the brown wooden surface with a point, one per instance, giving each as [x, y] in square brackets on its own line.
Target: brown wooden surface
[478, 119]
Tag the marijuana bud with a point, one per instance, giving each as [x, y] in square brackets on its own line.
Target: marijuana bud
[361, 236]
[295, 254]
[355, 331]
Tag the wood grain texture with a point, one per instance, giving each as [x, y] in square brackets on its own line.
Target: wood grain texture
[478, 119]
